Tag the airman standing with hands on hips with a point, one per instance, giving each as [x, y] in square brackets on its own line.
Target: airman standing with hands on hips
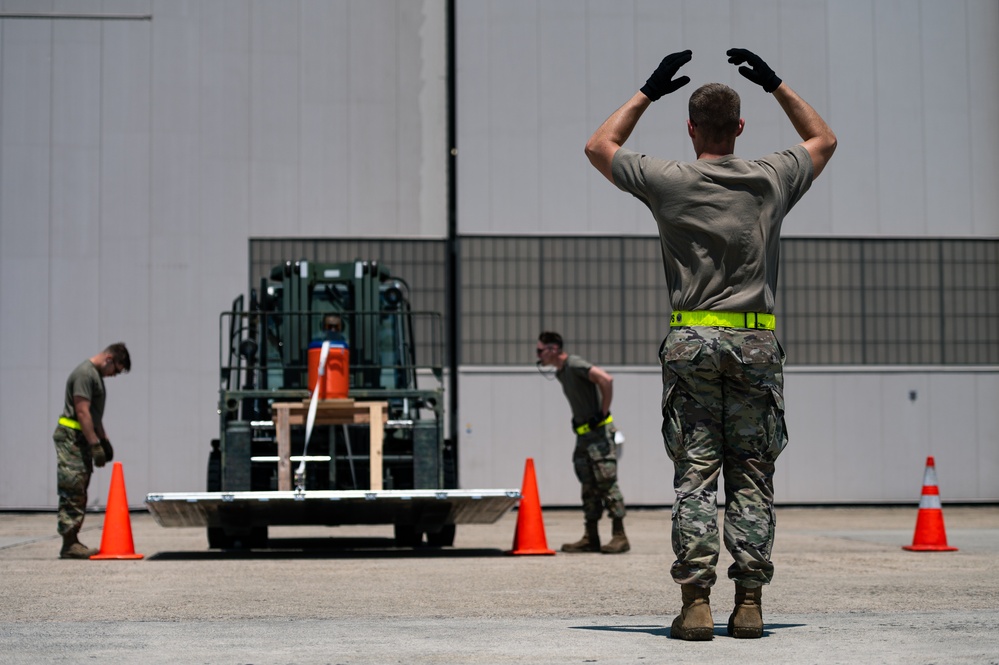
[590, 390]
[82, 443]
[719, 220]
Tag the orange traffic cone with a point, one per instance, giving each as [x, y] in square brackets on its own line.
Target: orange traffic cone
[530, 535]
[930, 535]
[116, 540]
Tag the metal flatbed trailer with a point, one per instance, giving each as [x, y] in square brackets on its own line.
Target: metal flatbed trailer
[411, 507]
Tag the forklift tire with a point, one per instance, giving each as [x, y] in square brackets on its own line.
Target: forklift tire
[219, 538]
[442, 538]
[407, 535]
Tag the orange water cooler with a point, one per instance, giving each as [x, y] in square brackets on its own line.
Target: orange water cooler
[336, 380]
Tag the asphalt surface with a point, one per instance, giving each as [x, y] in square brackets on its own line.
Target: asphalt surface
[844, 592]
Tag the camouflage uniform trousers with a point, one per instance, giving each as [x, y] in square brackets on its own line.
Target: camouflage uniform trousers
[74, 468]
[723, 412]
[595, 462]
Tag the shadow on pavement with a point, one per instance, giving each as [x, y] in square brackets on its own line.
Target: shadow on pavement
[721, 629]
[330, 548]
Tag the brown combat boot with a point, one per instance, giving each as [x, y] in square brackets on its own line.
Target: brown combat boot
[747, 617]
[694, 621]
[590, 542]
[619, 542]
[72, 548]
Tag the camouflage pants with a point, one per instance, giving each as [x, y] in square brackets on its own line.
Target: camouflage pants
[73, 471]
[723, 412]
[595, 462]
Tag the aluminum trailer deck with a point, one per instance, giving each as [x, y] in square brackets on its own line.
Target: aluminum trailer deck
[331, 508]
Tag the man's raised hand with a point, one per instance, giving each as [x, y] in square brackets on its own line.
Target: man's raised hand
[662, 82]
[758, 71]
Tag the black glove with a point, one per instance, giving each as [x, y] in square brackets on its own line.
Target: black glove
[661, 82]
[97, 452]
[108, 450]
[758, 71]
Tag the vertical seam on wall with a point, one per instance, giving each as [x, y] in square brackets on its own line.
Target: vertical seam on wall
[539, 116]
[397, 225]
[149, 233]
[249, 121]
[541, 283]
[877, 120]
[50, 327]
[100, 169]
[622, 301]
[863, 305]
[967, 87]
[941, 315]
[300, 103]
[922, 113]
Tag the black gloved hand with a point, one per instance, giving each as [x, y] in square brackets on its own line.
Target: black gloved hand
[661, 82]
[97, 452]
[108, 450]
[758, 71]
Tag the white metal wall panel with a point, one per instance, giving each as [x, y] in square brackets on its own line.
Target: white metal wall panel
[562, 118]
[983, 83]
[474, 158]
[181, 355]
[946, 95]
[900, 158]
[818, 447]
[853, 109]
[805, 63]
[24, 249]
[609, 57]
[986, 435]
[274, 117]
[855, 437]
[124, 277]
[509, 416]
[138, 157]
[905, 86]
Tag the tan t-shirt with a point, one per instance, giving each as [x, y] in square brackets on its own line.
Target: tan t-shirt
[719, 222]
[583, 395]
[85, 381]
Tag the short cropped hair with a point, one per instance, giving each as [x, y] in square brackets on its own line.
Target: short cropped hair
[549, 337]
[119, 354]
[714, 110]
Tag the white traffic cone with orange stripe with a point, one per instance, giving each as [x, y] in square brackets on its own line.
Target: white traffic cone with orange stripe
[930, 535]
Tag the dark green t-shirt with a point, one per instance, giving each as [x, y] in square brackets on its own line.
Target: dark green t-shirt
[719, 222]
[583, 394]
[85, 381]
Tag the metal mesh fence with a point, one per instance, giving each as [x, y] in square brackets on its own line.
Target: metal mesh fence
[840, 301]
[418, 263]
[889, 302]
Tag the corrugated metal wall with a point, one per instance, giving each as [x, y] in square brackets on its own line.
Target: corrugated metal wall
[910, 87]
[137, 157]
[855, 435]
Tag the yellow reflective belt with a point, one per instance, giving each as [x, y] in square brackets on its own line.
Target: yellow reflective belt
[72, 424]
[586, 429]
[751, 320]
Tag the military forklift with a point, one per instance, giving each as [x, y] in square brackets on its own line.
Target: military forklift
[403, 473]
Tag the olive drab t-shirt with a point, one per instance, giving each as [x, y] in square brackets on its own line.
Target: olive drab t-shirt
[583, 395]
[719, 222]
[85, 381]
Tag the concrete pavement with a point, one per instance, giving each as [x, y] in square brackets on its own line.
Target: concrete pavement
[844, 592]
